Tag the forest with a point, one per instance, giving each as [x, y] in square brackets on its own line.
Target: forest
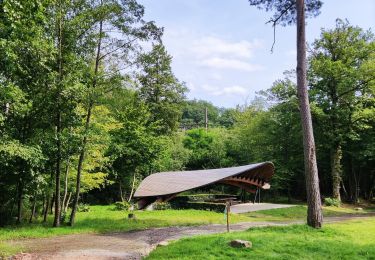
[90, 106]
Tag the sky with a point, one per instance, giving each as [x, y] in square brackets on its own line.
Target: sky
[221, 48]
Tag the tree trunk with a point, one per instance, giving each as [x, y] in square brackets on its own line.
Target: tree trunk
[52, 204]
[336, 170]
[120, 190]
[33, 208]
[46, 209]
[56, 222]
[67, 202]
[87, 126]
[65, 186]
[19, 201]
[314, 212]
[132, 191]
[79, 169]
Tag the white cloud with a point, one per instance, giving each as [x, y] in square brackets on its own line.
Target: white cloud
[209, 45]
[228, 63]
[233, 90]
[219, 91]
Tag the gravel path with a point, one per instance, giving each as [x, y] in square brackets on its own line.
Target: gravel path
[130, 245]
[250, 207]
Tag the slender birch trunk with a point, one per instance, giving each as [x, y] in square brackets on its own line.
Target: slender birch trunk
[132, 191]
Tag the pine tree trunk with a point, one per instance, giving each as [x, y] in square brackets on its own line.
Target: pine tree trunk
[336, 171]
[87, 126]
[314, 212]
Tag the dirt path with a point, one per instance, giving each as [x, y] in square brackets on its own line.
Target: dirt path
[130, 245]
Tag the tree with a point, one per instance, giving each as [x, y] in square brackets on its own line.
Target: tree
[341, 75]
[160, 89]
[134, 144]
[290, 12]
[193, 114]
[25, 53]
[112, 55]
[208, 149]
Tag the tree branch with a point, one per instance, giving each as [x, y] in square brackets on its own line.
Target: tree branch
[274, 22]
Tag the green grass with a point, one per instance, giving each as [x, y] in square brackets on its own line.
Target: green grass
[346, 240]
[300, 212]
[103, 219]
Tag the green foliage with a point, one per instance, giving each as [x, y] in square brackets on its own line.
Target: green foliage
[82, 207]
[208, 148]
[122, 205]
[341, 75]
[194, 115]
[217, 207]
[160, 89]
[161, 206]
[173, 155]
[332, 202]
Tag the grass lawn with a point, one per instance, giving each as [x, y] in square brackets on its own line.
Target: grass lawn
[300, 212]
[103, 219]
[346, 240]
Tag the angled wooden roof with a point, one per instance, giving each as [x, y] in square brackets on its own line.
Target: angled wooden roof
[165, 185]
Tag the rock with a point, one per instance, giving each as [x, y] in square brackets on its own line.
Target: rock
[240, 243]
[358, 209]
[163, 243]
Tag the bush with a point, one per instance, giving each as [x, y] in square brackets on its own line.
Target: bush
[161, 206]
[122, 205]
[182, 201]
[82, 207]
[332, 202]
[218, 207]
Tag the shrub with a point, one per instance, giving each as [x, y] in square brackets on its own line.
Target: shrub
[218, 207]
[122, 205]
[332, 202]
[82, 207]
[182, 201]
[161, 206]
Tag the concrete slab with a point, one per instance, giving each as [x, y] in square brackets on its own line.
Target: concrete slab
[250, 207]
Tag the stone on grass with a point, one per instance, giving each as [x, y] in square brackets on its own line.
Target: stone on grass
[240, 243]
[358, 209]
[163, 243]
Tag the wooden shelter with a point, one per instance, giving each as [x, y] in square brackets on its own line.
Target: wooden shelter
[164, 186]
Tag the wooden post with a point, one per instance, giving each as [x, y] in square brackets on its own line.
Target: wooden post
[228, 211]
[206, 119]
